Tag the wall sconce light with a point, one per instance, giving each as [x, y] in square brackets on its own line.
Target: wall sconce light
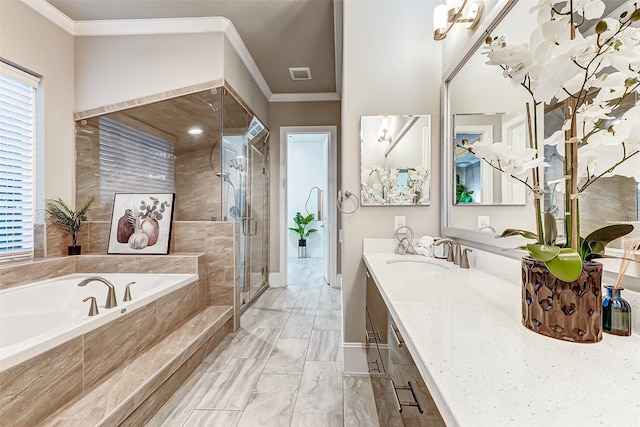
[383, 130]
[467, 12]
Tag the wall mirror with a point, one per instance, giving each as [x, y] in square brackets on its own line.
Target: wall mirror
[395, 160]
[476, 182]
[608, 201]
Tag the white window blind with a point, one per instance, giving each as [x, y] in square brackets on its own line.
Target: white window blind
[17, 141]
[133, 161]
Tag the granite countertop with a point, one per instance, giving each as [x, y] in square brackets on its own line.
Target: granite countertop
[463, 329]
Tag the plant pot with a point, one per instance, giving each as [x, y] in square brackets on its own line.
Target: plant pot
[74, 249]
[302, 248]
[569, 311]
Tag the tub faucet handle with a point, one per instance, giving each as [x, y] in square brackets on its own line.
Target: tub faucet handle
[127, 292]
[93, 310]
[111, 295]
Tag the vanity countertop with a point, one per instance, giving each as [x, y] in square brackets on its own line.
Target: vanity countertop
[483, 368]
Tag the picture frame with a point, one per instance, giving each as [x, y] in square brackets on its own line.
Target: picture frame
[141, 223]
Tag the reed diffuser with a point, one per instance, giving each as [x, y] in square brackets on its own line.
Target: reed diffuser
[616, 312]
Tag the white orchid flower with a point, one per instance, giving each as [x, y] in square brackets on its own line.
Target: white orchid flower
[516, 162]
[557, 140]
[599, 160]
[590, 9]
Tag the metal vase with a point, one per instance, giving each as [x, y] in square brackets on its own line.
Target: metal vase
[569, 311]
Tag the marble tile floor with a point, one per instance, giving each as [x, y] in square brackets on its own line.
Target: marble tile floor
[283, 367]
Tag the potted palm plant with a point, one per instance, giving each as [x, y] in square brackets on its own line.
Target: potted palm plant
[59, 212]
[301, 228]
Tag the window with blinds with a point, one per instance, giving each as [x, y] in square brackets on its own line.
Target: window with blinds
[133, 161]
[17, 142]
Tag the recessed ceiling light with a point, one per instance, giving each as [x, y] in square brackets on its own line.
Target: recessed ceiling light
[195, 131]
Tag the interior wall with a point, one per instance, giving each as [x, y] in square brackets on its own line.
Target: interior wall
[292, 114]
[458, 40]
[238, 77]
[31, 41]
[391, 67]
[113, 69]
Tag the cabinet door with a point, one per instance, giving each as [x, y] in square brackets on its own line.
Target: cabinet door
[403, 371]
[376, 328]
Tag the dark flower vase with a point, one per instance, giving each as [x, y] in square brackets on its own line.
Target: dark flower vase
[569, 311]
[302, 248]
[616, 313]
[74, 249]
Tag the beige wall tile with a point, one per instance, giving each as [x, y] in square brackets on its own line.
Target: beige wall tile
[16, 274]
[111, 345]
[175, 308]
[34, 389]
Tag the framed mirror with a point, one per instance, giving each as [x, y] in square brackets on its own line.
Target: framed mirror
[476, 182]
[395, 160]
[611, 200]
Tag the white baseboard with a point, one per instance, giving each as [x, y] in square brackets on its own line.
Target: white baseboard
[355, 357]
[276, 280]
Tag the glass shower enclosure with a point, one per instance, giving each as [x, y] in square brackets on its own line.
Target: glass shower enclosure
[206, 147]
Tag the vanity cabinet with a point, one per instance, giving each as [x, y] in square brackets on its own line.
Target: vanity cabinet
[376, 329]
[402, 397]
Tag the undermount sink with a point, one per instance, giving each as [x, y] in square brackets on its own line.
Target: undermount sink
[417, 264]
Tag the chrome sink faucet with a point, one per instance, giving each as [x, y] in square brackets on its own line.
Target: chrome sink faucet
[111, 295]
[454, 256]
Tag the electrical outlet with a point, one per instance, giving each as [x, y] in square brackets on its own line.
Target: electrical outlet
[483, 221]
[399, 221]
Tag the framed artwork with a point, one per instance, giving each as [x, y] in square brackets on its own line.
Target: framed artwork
[141, 223]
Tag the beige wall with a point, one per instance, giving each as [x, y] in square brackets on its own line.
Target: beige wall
[238, 77]
[291, 114]
[392, 66]
[33, 42]
[113, 69]
[458, 40]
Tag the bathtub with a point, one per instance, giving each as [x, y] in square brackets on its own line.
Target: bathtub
[37, 317]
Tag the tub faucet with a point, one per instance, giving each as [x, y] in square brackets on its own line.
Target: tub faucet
[454, 256]
[93, 310]
[111, 296]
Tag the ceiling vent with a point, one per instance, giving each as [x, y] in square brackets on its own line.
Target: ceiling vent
[300, 73]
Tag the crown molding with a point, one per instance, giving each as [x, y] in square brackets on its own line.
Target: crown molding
[51, 13]
[122, 27]
[175, 26]
[305, 97]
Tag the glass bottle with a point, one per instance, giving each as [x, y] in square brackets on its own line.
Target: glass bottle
[616, 313]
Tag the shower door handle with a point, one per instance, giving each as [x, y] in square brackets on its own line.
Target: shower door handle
[249, 226]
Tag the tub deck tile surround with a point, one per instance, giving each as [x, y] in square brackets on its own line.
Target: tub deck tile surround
[21, 272]
[108, 347]
[142, 385]
[56, 374]
[173, 309]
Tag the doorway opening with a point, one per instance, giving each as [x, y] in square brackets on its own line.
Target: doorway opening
[309, 176]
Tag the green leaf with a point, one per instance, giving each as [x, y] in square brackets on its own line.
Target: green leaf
[567, 266]
[635, 16]
[550, 229]
[594, 244]
[542, 252]
[515, 232]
